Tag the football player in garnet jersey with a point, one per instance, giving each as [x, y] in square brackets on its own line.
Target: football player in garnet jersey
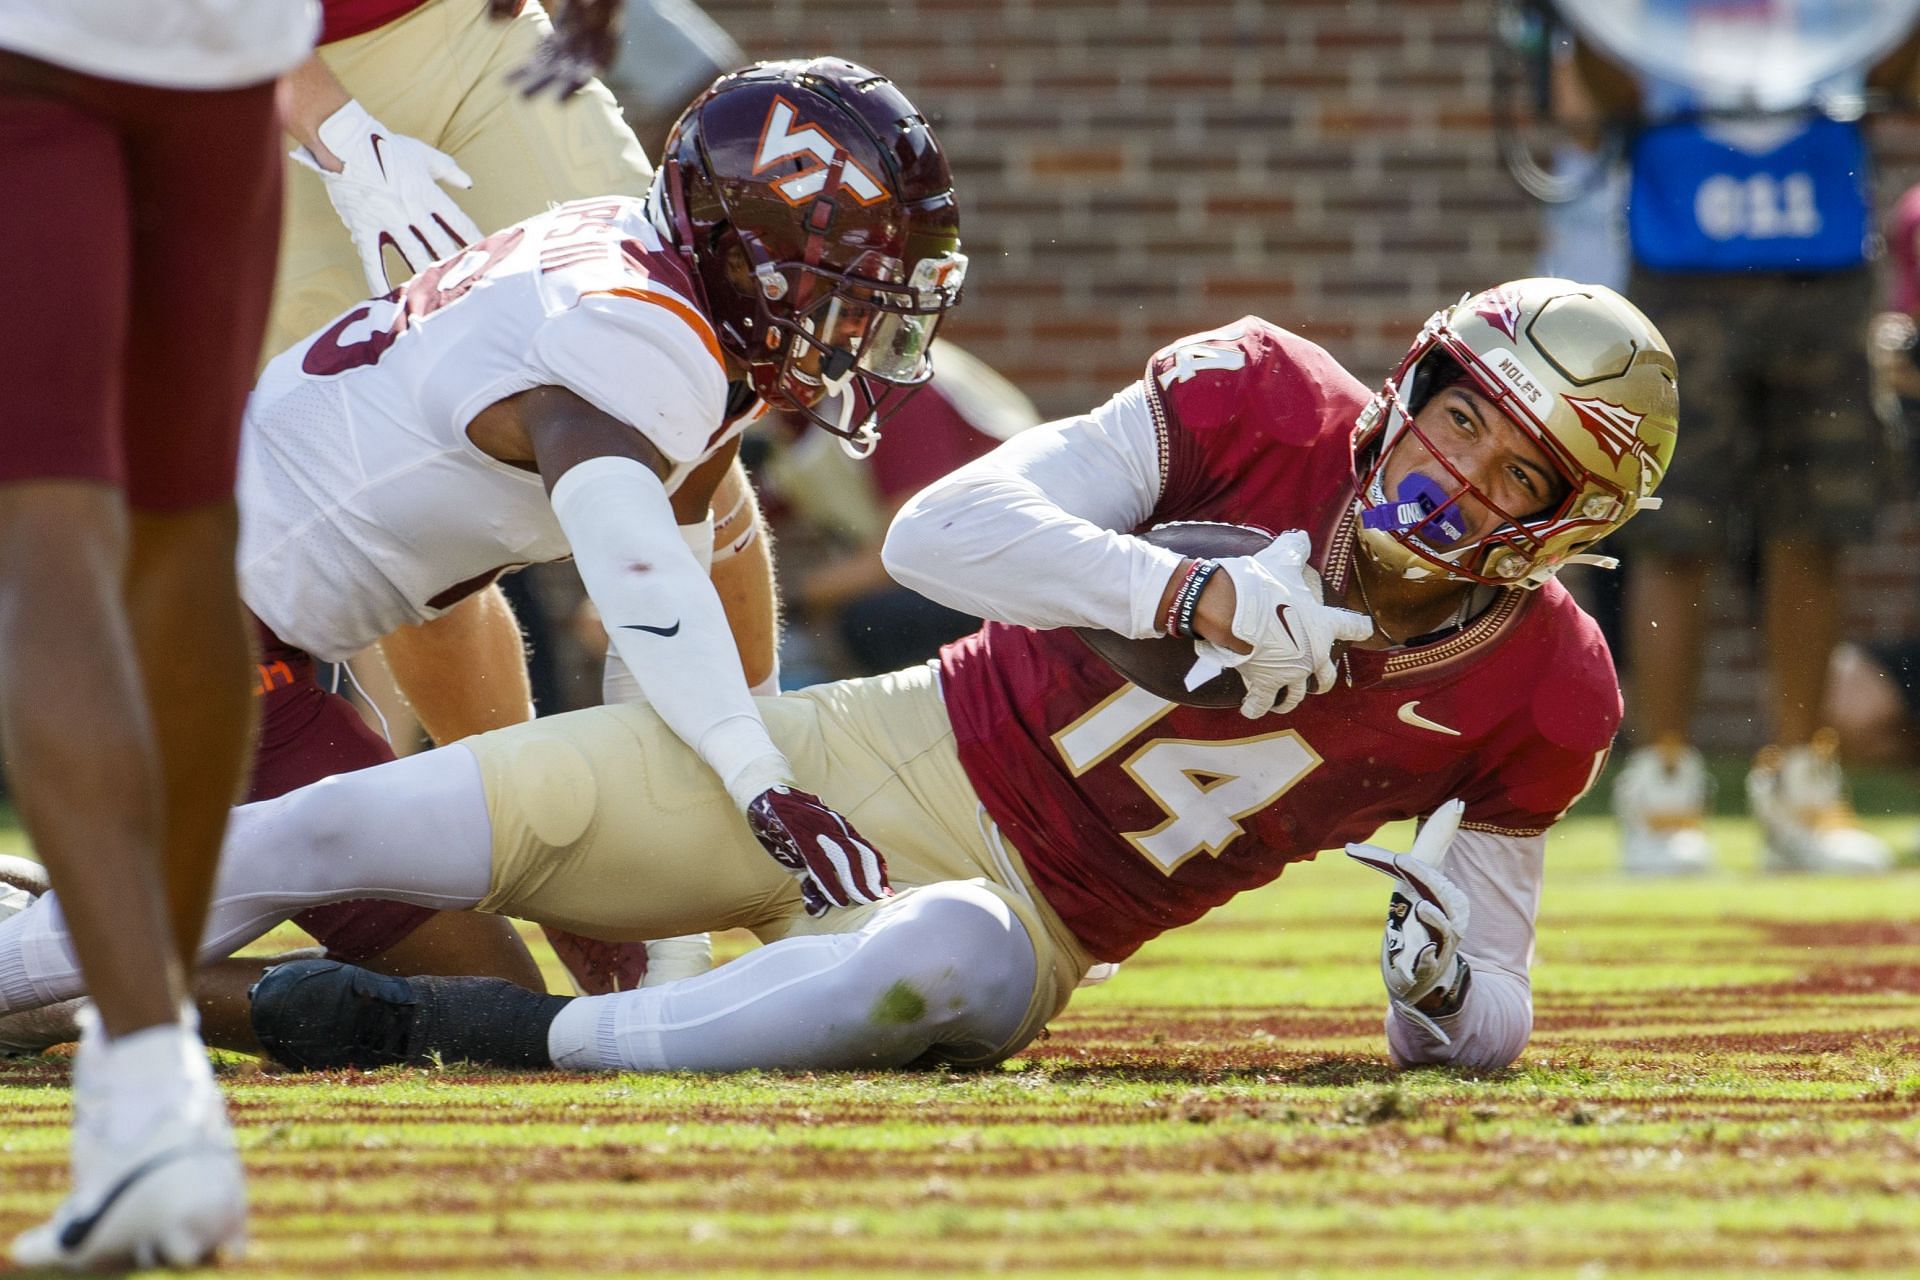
[575, 385]
[1040, 812]
[137, 236]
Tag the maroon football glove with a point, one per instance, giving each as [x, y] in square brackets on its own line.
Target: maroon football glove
[599, 967]
[585, 35]
[834, 864]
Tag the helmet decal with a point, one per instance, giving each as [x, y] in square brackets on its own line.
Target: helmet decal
[780, 140]
[1615, 428]
[1517, 378]
[1501, 309]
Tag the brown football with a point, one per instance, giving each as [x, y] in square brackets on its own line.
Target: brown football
[1160, 665]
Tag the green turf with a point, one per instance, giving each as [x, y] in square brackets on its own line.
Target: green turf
[1724, 1080]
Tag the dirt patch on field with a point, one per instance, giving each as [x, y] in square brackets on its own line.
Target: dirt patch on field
[1851, 935]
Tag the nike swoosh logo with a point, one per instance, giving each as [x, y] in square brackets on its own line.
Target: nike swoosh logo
[75, 1233]
[673, 630]
[1408, 715]
[377, 158]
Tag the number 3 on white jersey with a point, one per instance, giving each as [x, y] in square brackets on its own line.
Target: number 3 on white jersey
[1204, 785]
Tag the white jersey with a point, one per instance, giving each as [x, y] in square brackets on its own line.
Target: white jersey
[365, 507]
[175, 44]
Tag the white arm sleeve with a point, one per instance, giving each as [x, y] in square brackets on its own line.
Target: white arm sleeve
[1501, 877]
[1029, 534]
[617, 684]
[664, 620]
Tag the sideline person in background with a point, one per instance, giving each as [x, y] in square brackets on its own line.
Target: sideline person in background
[139, 225]
[830, 515]
[1749, 232]
[1873, 688]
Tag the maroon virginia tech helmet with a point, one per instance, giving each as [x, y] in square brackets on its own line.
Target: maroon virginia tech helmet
[819, 216]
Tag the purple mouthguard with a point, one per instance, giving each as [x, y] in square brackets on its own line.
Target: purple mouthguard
[1419, 498]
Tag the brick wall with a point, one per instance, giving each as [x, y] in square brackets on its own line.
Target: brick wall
[1134, 170]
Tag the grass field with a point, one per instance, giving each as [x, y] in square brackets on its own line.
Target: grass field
[1724, 1079]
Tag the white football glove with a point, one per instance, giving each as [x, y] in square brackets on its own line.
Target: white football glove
[388, 193]
[1278, 611]
[1419, 953]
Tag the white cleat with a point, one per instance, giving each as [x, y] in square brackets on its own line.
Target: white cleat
[178, 1208]
[1798, 795]
[1660, 800]
[156, 1179]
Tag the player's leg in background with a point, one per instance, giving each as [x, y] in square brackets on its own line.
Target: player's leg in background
[413, 831]
[945, 972]
[309, 734]
[1660, 795]
[1823, 491]
[526, 153]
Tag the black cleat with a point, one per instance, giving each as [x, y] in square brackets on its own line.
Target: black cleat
[320, 1015]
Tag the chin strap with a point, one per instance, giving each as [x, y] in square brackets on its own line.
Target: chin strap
[858, 442]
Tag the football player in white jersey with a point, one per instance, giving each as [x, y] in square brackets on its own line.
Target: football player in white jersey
[575, 385]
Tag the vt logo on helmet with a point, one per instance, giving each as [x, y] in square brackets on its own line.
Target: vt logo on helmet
[782, 141]
[815, 207]
[1580, 390]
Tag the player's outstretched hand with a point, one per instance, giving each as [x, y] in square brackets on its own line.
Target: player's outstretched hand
[388, 193]
[1278, 611]
[586, 33]
[834, 864]
[1426, 918]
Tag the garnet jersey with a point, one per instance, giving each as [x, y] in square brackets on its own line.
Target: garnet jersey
[1135, 815]
[365, 507]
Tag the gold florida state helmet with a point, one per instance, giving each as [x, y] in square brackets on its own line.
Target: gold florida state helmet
[1582, 373]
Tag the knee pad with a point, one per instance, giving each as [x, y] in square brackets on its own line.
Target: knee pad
[957, 952]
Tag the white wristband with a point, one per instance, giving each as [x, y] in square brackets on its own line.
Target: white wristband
[699, 540]
[735, 545]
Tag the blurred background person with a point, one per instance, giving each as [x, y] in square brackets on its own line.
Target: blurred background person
[669, 50]
[1873, 687]
[831, 512]
[1749, 226]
